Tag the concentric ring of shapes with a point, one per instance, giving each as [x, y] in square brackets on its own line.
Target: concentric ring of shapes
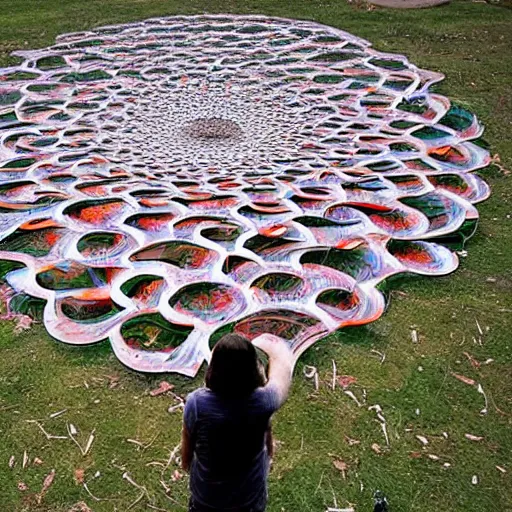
[161, 180]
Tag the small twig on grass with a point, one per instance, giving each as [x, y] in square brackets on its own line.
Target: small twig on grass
[95, 498]
[47, 435]
[146, 446]
[137, 500]
[378, 410]
[58, 413]
[130, 480]
[177, 407]
[172, 456]
[83, 451]
[479, 328]
[498, 410]
[152, 507]
[442, 383]
[472, 437]
[480, 389]
[89, 442]
[310, 372]
[351, 395]
[474, 363]
[134, 441]
[74, 440]
[170, 498]
[155, 463]
[319, 482]
[165, 486]
[333, 385]
[8, 407]
[496, 161]
[142, 445]
[333, 495]
[380, 354]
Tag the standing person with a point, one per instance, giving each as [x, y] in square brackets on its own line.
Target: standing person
[226, 438]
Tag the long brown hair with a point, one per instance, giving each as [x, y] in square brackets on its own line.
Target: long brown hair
[234, 370]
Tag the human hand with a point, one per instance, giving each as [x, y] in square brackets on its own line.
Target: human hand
[270, 343]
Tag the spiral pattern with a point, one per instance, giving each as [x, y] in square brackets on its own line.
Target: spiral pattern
[160, 180]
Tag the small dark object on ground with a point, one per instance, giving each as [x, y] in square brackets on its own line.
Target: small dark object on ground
[381, 503]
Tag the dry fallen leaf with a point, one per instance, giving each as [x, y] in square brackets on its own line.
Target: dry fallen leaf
[113, 381]
[346, 380]
[12, 461]
[415, 455]
[472, 360]
[48, 481]
[164, 387]
[37, 461]
[340, 466]
[352, 442]
[176, 476]
[23, 322]
[464, 379]
[22, 486]
[79, 476]
[376, 448]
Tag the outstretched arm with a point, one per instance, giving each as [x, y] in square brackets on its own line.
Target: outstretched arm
[280, 363]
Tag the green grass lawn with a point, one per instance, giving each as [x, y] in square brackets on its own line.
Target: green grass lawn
[470, 42]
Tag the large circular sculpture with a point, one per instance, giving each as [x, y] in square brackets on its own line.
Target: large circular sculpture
[163, 179]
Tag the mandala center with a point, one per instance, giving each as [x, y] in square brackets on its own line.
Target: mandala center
[213, 128]
[205, 125]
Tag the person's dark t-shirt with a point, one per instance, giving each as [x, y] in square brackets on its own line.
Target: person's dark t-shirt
[230, 464]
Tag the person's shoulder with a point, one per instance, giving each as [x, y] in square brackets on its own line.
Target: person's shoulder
[199, 395]
[266, 397]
